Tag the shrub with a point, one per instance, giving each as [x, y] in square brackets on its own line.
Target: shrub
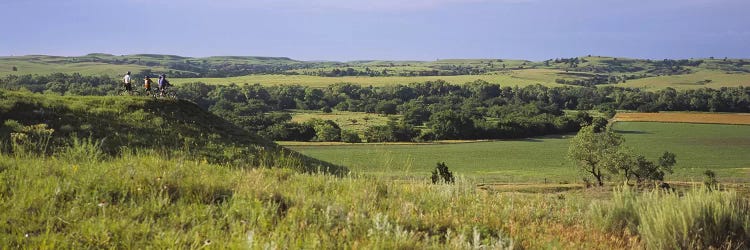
[326, 130]
[350, 136]
[32, 139]
[85, 150]
[709, 179]
[441, 174]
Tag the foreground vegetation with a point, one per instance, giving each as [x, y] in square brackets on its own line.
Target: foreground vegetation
[144, 200]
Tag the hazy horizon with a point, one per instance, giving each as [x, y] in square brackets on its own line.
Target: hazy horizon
[341, 30]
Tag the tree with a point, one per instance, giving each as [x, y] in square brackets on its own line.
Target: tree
[326, 130]
[647, 170]
[589, 151]
[451, 125]
[15, 68]
[350, 136]
[386, 107]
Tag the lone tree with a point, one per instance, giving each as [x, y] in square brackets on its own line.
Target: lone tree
[442, 174]
[598, 152]
[590, 152]
[15, 68]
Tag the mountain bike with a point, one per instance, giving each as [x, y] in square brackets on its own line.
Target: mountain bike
[166, 92]
[132, 92]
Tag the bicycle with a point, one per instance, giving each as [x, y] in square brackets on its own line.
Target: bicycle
[165, 92]
[124, 92]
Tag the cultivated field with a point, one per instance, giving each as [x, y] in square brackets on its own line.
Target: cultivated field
[700, 79]
[686, 117]
[356, 121]
[724, 149]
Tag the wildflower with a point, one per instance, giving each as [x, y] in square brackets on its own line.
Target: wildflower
[75, 168]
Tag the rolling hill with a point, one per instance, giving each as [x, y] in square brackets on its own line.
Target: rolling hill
[587, 70]
[124, 124]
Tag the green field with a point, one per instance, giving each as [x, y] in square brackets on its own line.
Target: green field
[722, 148]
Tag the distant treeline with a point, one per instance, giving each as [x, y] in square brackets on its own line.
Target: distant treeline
[428, 110]
[443, 70]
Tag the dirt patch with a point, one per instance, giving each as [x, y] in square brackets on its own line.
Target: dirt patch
[529, 187]
[713, 118]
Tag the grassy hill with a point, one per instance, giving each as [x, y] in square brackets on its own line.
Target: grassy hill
[106, 64]
[125, 124]
[587, 70]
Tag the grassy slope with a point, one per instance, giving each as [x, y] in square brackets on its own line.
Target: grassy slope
[145, 123]
[722, 148]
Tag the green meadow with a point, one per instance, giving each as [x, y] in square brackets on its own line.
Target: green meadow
[724, 149]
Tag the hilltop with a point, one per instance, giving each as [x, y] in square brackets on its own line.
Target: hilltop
[128, 124]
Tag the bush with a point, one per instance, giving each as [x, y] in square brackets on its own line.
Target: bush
[87, 150]
[709, 179]
[326, 130]
[441, 174]
[350, 136]
[380, 133]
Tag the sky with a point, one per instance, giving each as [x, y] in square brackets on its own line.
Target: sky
[344, 30]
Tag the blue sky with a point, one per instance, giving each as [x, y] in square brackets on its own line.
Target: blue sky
[386, 29]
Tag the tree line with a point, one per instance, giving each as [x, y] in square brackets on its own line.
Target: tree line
[431, 110]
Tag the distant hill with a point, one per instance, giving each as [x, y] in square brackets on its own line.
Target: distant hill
[582, 71]
[123, 123]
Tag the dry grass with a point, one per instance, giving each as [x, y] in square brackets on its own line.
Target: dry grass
[713, 118]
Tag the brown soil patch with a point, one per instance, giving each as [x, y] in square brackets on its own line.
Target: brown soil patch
[736, 118]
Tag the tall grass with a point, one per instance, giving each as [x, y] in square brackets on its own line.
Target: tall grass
[146, 200]
[697, 219]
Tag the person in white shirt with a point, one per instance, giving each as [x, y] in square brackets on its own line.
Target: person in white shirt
[126, 82]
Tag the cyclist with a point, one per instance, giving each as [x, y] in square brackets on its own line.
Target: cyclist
[126, 82]
[163, 84]
[147, 85]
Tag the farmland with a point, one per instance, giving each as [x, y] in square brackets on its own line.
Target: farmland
[685, 117]
[722, 148]
[699, 79]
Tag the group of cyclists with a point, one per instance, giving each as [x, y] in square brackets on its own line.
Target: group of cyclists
[161, 88]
